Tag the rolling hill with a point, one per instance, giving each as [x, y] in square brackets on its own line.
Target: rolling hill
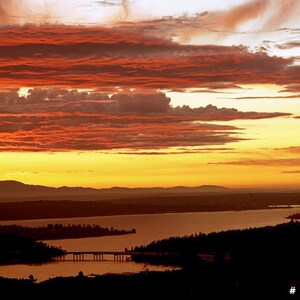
[17, 191]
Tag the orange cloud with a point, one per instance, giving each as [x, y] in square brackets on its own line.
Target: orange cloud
[57, 132]
[6, 10]
[292, 88]
[125, 6]
[242, 13]
[284, 162]
[278, 12]
[101, 58]
[215, 26]
[289, 45]
[295, 96]
[64, 120]
[149, 104]
[291, 149]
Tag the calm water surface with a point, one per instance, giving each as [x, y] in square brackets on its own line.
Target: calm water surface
[149, 228]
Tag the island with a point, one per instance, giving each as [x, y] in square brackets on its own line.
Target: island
[59, 231]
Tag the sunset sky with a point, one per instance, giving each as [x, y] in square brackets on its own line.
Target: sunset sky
[143, 93]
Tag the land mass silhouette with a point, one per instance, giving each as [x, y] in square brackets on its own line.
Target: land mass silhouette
[17, 249]
[21, 201]
[59, 231]
[47, 209]
[258, 263]
[13, 191]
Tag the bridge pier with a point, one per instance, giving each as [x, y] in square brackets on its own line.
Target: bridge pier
[118, 257]
[78, 257]
[98, 257]
[60, 258]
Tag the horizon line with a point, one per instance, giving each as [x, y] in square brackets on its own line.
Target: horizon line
[159, 187]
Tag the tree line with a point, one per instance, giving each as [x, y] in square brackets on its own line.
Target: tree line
[276, 245]
[59, 231]
[19, 249]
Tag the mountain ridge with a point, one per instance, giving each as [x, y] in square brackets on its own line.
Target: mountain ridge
[15, 189]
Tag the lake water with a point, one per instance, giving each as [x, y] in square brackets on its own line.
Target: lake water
[148, 227]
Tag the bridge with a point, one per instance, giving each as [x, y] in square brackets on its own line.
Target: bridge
[121, 256]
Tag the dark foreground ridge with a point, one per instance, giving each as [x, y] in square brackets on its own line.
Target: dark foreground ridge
[259, 263]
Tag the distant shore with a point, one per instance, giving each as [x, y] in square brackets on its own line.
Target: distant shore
[115, 214]
[33, 210]
[59, 231]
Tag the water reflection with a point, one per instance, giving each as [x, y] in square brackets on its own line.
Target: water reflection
[149, 228]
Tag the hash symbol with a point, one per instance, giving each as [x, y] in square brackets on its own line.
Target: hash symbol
[292, 290]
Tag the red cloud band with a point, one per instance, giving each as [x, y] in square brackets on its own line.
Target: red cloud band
[102, 58]
[63, 120]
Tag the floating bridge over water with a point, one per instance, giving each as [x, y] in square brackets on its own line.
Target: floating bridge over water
[120, 256]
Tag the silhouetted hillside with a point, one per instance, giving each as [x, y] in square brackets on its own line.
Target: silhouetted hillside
[14, 191]
[17, 191]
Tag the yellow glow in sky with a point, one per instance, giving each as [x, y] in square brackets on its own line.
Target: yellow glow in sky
[100, 169]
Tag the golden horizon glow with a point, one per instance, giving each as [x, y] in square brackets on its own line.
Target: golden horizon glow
[193, 93]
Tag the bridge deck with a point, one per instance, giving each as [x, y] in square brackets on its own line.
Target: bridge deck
[129, 253]
[124, 255]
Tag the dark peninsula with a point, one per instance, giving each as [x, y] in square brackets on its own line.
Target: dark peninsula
[24, 250]
[59, 231]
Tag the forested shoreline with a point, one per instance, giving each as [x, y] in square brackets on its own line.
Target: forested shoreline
[59, 231]
[46, 209]
[24, 250]
[266, 245]
[255, 263]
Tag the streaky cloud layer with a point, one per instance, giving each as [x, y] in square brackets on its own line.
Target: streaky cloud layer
[106, 58]
[64, 120]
